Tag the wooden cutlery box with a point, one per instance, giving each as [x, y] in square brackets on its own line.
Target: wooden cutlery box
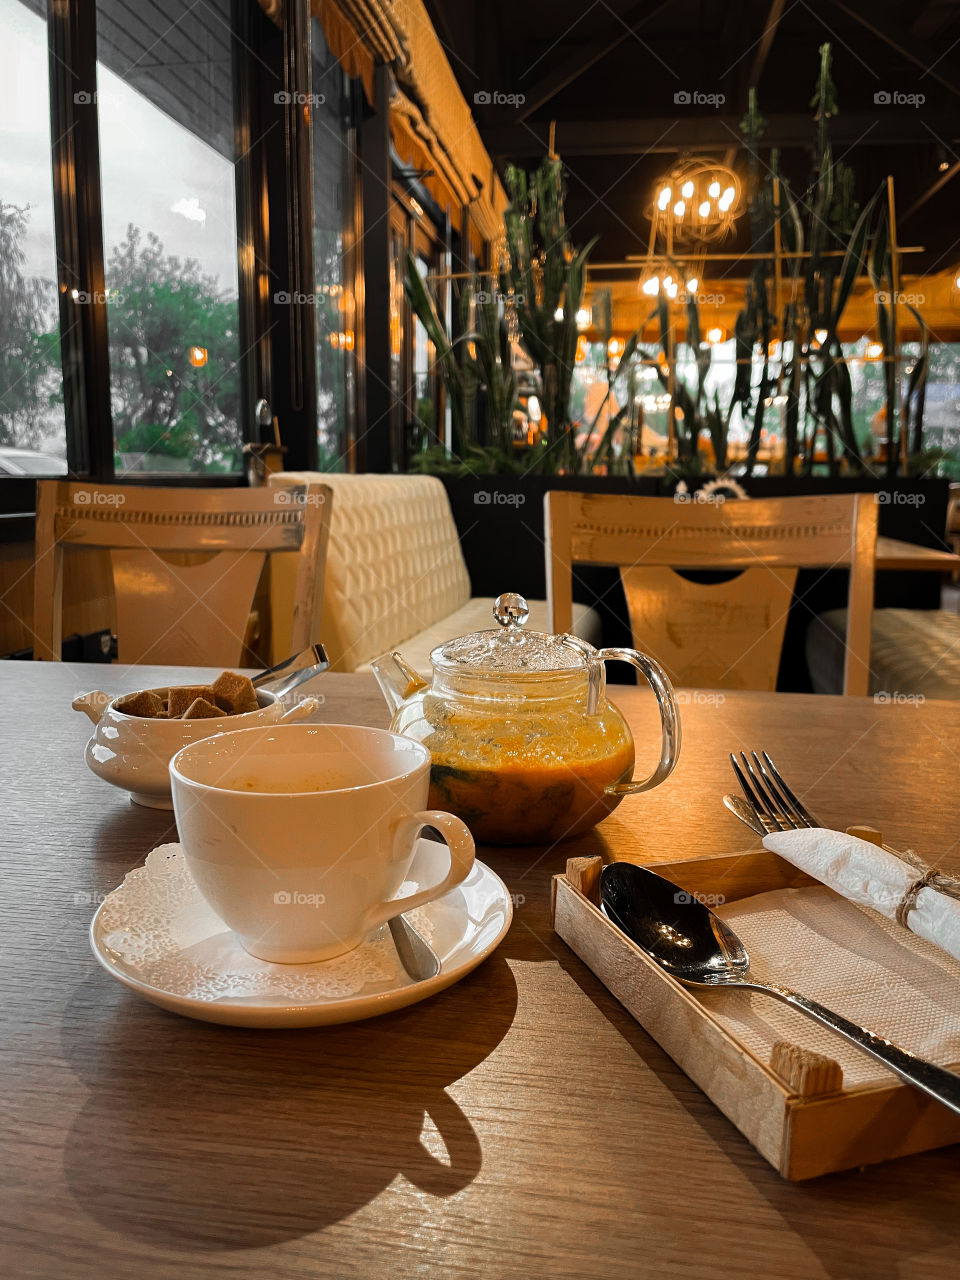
[795, 1108]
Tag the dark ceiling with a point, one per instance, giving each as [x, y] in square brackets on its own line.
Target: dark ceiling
[608, 73]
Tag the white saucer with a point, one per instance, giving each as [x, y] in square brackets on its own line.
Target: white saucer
[156, 935]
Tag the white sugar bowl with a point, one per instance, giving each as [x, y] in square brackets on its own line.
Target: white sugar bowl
[134, 752]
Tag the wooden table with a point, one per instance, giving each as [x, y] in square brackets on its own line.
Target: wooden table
[518, 1125]
[894, 554]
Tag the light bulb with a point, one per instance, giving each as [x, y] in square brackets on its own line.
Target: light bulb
[670, 288]
[651, 287]
[713, 190]
[693, 284]
[687, 190]
[664, 198]
[704, 209]
[558, 314]
[679, 209]
[714, 335]
[820, 335]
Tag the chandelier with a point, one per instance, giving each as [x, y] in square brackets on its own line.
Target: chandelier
[673, 281]
[696, 201]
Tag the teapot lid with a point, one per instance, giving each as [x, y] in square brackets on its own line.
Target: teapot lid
[509, 649]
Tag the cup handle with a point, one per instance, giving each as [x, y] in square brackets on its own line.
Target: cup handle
[459, 841]
[300, 711]
[659, 681]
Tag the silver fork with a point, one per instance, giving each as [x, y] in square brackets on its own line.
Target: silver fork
[774, 803]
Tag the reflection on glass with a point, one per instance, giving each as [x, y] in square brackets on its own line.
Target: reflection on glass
[335, 338]
[423, 357]
[165, 98]
[32, 430]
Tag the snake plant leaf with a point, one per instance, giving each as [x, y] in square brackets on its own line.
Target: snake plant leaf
[745, 339]
[663, 322]
[844, 394]
[701, 355]
[915, 396]
[606, 443]
[852, 265]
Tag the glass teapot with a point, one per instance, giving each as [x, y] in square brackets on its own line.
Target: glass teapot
[526, 746]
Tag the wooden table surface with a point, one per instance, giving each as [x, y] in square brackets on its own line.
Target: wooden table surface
[520, 1124]
[894, 554]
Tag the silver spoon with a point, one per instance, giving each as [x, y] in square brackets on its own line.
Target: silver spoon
[416, 955]
[294, 671]
[687, 940]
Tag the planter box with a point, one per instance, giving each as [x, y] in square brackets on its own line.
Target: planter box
[500, 522]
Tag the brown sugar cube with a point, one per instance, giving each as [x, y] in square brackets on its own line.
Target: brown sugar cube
[182, 695]
[235, 694]
[201, 709]
[147, 703]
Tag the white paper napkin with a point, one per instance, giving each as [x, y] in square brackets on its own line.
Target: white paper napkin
[870, 877]
[850, 959]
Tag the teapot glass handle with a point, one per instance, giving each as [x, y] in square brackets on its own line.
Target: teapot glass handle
[658, 680]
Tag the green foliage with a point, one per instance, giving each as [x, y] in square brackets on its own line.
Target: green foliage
[30, 378]
[478, 361]
[546, 276]
[158, 308]
[815, 378]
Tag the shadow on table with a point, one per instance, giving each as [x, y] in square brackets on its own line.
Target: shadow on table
[860, 1222]
[202, 1137]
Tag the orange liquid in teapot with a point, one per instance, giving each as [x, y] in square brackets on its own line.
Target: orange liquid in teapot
[527, 780]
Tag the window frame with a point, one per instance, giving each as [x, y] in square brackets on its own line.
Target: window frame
[270, 181]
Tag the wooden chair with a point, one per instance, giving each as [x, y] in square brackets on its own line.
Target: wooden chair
[185, 562]
[718, 635]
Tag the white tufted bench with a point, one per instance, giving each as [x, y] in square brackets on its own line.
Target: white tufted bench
[395, 576]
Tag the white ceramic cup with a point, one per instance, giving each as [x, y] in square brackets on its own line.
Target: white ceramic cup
[300, 836]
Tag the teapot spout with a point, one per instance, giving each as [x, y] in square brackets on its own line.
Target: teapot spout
[92, 704]
[396, 678]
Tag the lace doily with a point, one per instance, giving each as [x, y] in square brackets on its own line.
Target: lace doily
[158, 927]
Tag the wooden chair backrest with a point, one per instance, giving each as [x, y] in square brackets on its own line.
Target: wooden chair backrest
[186, 563]
[729, 632]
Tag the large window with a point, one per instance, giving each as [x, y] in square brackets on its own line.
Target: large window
[165, 97]
[32, 428]
[332, 216]
[176, 189]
